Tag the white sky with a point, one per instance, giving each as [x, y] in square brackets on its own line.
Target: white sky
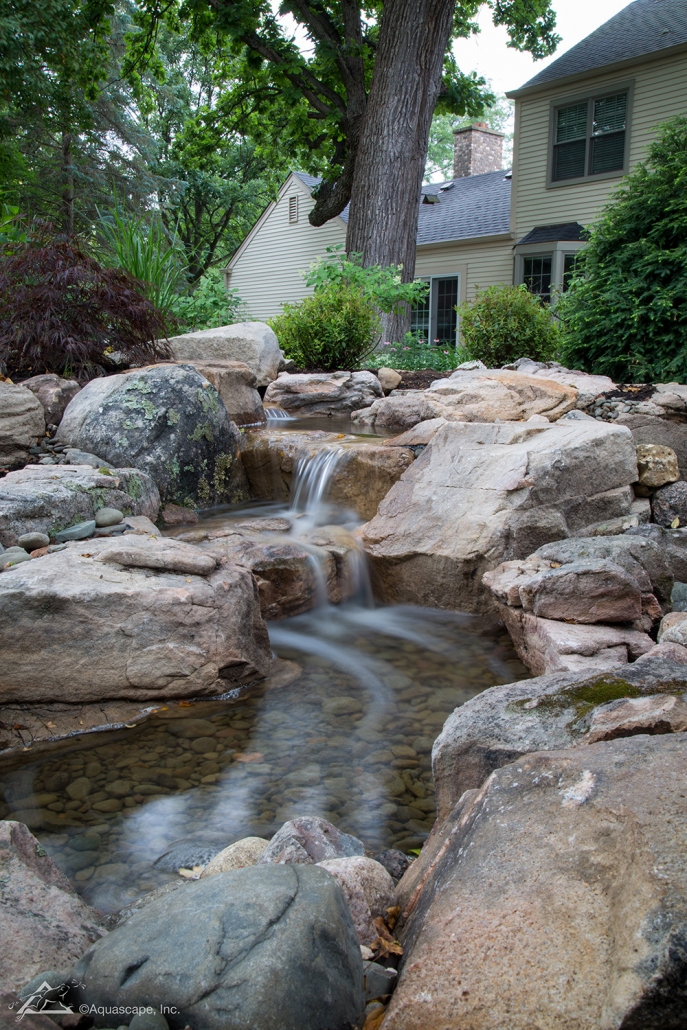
[487, 53]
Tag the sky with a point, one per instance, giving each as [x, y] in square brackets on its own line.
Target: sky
[508, 69]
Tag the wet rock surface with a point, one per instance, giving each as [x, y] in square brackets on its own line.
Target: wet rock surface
[251, 343]
[481, 494]
[267, 946]
[152, 615]
[166, 420]
[44, 923]
[333, 393]
[22, 423]
[566, 860]
[49, 499]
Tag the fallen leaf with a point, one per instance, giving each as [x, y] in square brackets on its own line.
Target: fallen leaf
[50, 725]
[185, 704]
[675, 523]
[392, 915]
[19, 726]
[191, 874]
[374, 1020]
[555, 564]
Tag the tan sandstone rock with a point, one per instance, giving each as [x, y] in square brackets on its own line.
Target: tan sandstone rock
[54, 393]
[236, 384]
[252, 343]
[657, 465]
[481, 494]
[22, 423]
[673, 629]
[118, 630]
[558, 898]
[44, 925]
[323, 393]
[241, 853]
[368, 889]
[389, 378]
[658, 713]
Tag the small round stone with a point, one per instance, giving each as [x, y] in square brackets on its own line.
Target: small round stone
[149, 1021]
[108, 517]
[13, 556]
[32, 541]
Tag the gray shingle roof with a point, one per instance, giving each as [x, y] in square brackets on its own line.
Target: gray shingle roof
[477, 205]
[641, 28]
[563, 232]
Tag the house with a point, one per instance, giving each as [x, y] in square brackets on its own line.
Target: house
[580, 125]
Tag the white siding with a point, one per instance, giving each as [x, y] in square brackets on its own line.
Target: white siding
[481, 263]
[660, 92]
[266, 270]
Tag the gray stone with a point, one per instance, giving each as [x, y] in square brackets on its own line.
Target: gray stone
[81, 531]
[672, 543]
[480, 494]
[111, 530]
[149, 1021]
[57, 979]
[324, 393]
[44, 924]
[54, 393]
[670, 503]
[252, 343]
[74, 456]
[379, 982]
[22, 423]
[368, 890]
[549, 712]
[565, 860]
[14, 556]
[309, 839]
[395, 862]
[166, 420]
[135, 609]
[47, 500]
[108, 517]
[32, 541]
[267, 946]
[188, 852]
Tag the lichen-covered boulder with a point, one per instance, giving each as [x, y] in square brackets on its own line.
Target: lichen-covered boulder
[50, 498]
[167, 420]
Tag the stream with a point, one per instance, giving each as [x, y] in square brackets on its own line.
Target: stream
[343, 730]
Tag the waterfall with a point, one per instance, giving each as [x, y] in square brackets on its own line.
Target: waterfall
[312, 478]
[278, 415]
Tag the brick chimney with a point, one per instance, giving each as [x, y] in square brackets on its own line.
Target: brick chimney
[476, 149]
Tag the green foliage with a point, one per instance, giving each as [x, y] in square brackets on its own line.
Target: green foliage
[382, 287]
[415, 353]
[209, 305]
[11, 228]
[335, 328]
[625, 312]
[505, 323]
[145, 252]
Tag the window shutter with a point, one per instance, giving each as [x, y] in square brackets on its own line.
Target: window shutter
[293, 209]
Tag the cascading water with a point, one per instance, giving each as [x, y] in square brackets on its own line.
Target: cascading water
[342, 729]
[277, 415]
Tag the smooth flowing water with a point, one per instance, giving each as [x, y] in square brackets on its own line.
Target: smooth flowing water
[343, 729]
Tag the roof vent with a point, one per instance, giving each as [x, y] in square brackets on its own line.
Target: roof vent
[430, 198]
[446, 186]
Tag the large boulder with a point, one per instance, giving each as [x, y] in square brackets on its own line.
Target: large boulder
[368, 890]
[323, 393]
[167, 420]
[307, 840]
[50, 498]
[134, 617]
[589, 387]
[505, 722]
[475, 396]
[252, 343]
[481, 494]
[44, 925]
[266, 946]
[22, 423]
[560, 899]
[236, 384]
[54, 393]
[358, 476]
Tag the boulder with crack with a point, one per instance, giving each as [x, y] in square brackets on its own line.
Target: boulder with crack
[558, 897]
[22, 423]
[482, 494]
[474, 396]
[252, 343]
[44, 925]
[133, 618]
[323, 393]
[54, 393]
[167, 420]
[49, 498]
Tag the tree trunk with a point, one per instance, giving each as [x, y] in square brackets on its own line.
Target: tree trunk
[67, 184]
[390, 161]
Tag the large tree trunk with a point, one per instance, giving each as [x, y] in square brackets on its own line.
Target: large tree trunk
[390, 160]
[67, 184]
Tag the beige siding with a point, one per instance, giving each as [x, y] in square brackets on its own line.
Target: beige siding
[266, 271]
[660, 91]
[481, 263]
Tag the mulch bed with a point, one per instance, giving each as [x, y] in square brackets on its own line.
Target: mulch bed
[632, 392]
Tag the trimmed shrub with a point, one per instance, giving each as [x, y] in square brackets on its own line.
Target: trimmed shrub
[505, 323]
[625, 312]
[335, 328]
[61, 311]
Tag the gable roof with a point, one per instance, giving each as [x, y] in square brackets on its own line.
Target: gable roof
[467, 208]
[641, 29]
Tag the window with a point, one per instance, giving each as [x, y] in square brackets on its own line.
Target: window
[293, 209]
[569, 263]
[589, 137]
[435, 319]
[537, 275]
